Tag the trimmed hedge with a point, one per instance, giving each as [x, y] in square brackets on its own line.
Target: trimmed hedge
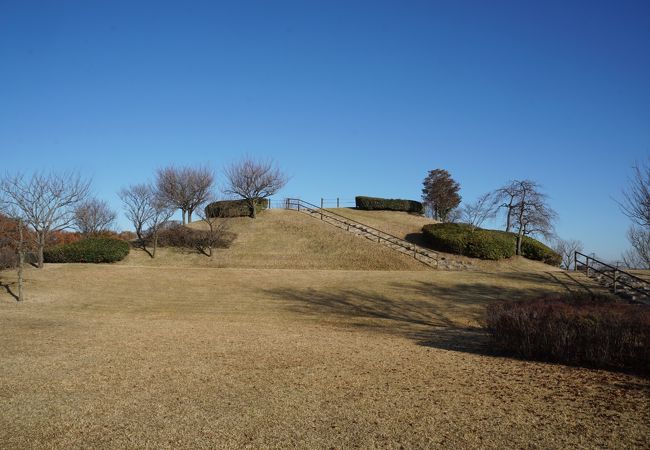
[463, 239]
[91, 250]
[234, 208]
[596, 332]
[388, 204]
[533, 249]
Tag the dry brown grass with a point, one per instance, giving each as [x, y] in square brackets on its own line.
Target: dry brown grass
[400, 224]
[125, 356]
[280, 239]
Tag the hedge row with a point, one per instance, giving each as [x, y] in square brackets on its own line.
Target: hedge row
[234, 208]
[390, 204]
[463, 239]
[91, 250]
[595, 332]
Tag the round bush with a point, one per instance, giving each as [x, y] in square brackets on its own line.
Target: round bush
[90, 250]
[533, 249]
[486, 244]
[462, 239]
[234, 208]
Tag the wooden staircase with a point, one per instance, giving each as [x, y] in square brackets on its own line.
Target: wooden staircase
[421, 254]
[624, 284]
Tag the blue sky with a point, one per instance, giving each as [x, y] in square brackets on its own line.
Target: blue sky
[349, 97]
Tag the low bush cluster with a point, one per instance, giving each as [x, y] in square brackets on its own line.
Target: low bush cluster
[597, 332]
[180, 236]
[388, 204]
[533, 249]
[90, 250]
[8, 257]
[463, 239]
[234, 208]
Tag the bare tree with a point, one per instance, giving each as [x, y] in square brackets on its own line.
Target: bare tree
[253, 180]
[638, 257]
[137, 200]
[482, 209]
[94, 216]
[567, 249]
[12, 236]
[531, 213]
[147, 212]
[506, 197]
[636, 198]
[217, 234]
[440, 193]
[185, 188]
[44, 202]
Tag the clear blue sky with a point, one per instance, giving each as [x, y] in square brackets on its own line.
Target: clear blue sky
[349, 97]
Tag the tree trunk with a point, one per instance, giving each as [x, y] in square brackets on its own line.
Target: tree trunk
[253, 209]
[41, 248]
[21, 261]
[189, 215]
[520, 238]
[183, 214]
[155, 243]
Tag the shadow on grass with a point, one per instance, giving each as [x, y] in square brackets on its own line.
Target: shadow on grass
[430, 314]
[7, 287]
[417, 239]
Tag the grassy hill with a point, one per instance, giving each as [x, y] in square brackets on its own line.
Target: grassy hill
[400, 224]
[280, 239]
[178, 352]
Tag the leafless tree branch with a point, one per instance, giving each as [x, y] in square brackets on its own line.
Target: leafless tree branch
[44, 202]
[252, 180]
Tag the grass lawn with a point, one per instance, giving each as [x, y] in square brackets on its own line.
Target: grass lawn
[162, 356]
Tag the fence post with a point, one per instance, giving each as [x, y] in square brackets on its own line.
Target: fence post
[615, 280]
[337, 202]
[575, 261]
[587, 266]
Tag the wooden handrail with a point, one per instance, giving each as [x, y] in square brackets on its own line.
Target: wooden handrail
[615, 277]
[295, 203]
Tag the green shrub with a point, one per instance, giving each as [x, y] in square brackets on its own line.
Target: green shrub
[486, 244]
[598, 332]
[463, 239]
[91, 250]
[533, 249]
[234, 208]
[389, 204]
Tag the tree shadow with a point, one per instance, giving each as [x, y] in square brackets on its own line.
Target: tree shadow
[7, 287]
[448, 318]
[417, 239]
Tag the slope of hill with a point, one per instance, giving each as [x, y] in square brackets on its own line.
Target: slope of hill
[280, 239]
[403, 225]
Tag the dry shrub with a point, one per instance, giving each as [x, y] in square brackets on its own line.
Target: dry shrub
[597, 332]
[62, 238]
[180, 236]
[8, 257]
